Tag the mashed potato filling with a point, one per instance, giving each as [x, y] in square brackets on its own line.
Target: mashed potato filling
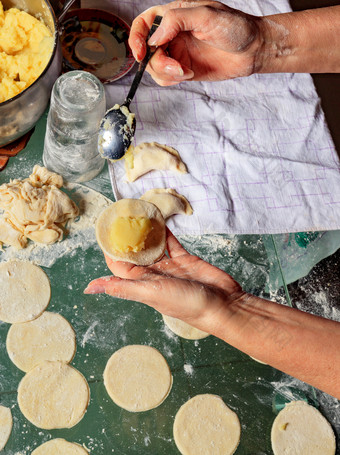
[26, 45]
[129, 233]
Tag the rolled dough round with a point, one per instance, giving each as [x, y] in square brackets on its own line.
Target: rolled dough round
[184, 330]
[6, 423]
[53, 395]
[301, 429]
[155, 242]
[59, 447]
[137, 378]
[205, 425]
[25, 291]
[49, 337]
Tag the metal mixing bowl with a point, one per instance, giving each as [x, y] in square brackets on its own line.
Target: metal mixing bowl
[20, 113]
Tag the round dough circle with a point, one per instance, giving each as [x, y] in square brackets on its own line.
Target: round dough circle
[6, 423]
[184, 330]
[53, 395]
[137, 378]
[301, 429]
[59, 447]
[49, 337]
[25, 291]
[155, 243]
[205, 425]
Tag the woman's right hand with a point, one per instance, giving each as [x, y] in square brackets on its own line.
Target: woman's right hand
[202, 40]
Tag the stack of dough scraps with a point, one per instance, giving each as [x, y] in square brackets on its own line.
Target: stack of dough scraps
[34, 208]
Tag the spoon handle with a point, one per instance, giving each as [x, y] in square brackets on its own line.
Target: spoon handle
[142, 65]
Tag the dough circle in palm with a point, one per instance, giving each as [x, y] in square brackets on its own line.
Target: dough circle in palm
[155, 242]
[137, 378]
[6, 423]
[49, 337]
[59, 447]
[301, 429]
[25, 291]
[53, 395]
[205, 425]
[184, 330]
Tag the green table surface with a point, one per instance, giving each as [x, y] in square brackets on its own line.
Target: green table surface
[104, 324]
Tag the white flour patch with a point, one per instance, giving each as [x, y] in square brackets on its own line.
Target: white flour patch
[89, 333]
[189, 369]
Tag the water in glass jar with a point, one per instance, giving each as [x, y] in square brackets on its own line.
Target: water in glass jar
[77, 107]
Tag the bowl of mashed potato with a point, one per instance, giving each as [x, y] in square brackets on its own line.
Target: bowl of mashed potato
[30, 62]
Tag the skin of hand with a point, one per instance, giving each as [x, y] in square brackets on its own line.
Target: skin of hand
[186, 287]
[207, 40]
[198, 40]
[181, 277]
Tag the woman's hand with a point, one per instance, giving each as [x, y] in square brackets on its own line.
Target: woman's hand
[185, 287]
[207, 40]
[182, 286]
[202, 40]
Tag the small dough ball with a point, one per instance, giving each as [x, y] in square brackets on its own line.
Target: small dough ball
[49, 337]
[184, 330]
[168, 201]
[53, 395]
[300, 429]
[205, 425]
[137, 378]
[154, 243]
[59, 447]
[25, 291]
[6, 424]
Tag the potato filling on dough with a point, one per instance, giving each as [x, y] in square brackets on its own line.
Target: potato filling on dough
[129, 233]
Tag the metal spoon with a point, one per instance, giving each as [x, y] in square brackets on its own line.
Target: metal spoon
[118, 125]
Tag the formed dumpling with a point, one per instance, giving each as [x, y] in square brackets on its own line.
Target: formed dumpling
[168, 201]
[149, 156]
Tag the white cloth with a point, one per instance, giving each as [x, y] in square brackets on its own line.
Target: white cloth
[258, 151]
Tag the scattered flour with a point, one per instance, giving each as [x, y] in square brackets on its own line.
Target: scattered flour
[189, 369]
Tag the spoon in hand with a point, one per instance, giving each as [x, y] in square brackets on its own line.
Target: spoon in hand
[118, 125]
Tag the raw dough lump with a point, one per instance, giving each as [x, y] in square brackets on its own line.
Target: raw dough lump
[205, 425]
[59, 447]
[137, 378]
[300, 429]
[53, 395]
[25, 291]
[49, 337]
[26, 46]
[6, 424]
[150, 156]
[168, 201]
[34, 208]
[184, 330]
[132, 230]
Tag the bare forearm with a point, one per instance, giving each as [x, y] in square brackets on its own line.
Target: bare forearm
[302, 345]
[301, 42]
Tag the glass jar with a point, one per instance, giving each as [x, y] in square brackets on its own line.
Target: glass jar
[77, 107]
